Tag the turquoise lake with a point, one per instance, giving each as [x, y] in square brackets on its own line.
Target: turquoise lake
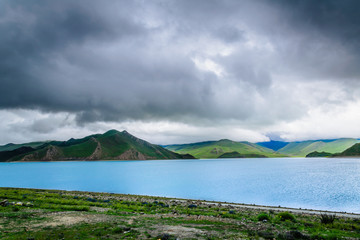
[313, 183]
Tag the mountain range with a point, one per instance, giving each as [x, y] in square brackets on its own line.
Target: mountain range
[214, 149]
[115, 145]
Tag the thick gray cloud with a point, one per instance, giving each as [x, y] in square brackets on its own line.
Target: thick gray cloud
[328, 37]
[198, 62]
[71, 57]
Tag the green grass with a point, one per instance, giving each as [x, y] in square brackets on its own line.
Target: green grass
[112, 146]
[84, 149]
[143, 217]
[82, 231]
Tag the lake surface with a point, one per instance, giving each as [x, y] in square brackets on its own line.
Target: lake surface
[314, 183]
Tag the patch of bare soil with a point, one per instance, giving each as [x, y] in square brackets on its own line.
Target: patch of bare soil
[180, 231]
[99, 209]
[54, 219]
[132, 154]
[97, 152]
[72, 218]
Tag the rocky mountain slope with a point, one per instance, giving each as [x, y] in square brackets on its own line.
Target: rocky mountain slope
[112, 145]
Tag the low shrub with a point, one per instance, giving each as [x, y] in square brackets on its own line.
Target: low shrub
[164, 236]
[263, 216]
[327, 218]
[15, 209]
[283, 216]
[296, 235]
[266, 235]
[118, 230]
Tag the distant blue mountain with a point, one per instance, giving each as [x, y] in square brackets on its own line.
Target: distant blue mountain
[274, 145]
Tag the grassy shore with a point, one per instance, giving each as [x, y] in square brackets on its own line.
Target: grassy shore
[55, 214]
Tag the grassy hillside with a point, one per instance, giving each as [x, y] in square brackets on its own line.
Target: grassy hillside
[214, 149]
[301, 149]
[298, 148]
[339, 145]
[353, 151]
[5, 155]
[115, 143]
[112, 145]
[84, 149]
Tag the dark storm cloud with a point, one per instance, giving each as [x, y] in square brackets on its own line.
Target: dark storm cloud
[330, 36]
[135, 83]
[338, 19]
[34, 33]
[120, 60]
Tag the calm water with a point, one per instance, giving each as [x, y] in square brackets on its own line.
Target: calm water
[327, 184]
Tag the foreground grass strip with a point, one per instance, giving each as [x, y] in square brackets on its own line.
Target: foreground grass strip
[52, 214]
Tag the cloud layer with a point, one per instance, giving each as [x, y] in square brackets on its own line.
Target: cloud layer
[256, 67]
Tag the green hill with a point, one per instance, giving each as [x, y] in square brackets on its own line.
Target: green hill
[301, 149]
[214, 149]
[238, 155]
[319, 154]
[5, 155]
[112, 145]
[353, 151]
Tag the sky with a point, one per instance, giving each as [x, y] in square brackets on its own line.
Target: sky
[180, 71]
